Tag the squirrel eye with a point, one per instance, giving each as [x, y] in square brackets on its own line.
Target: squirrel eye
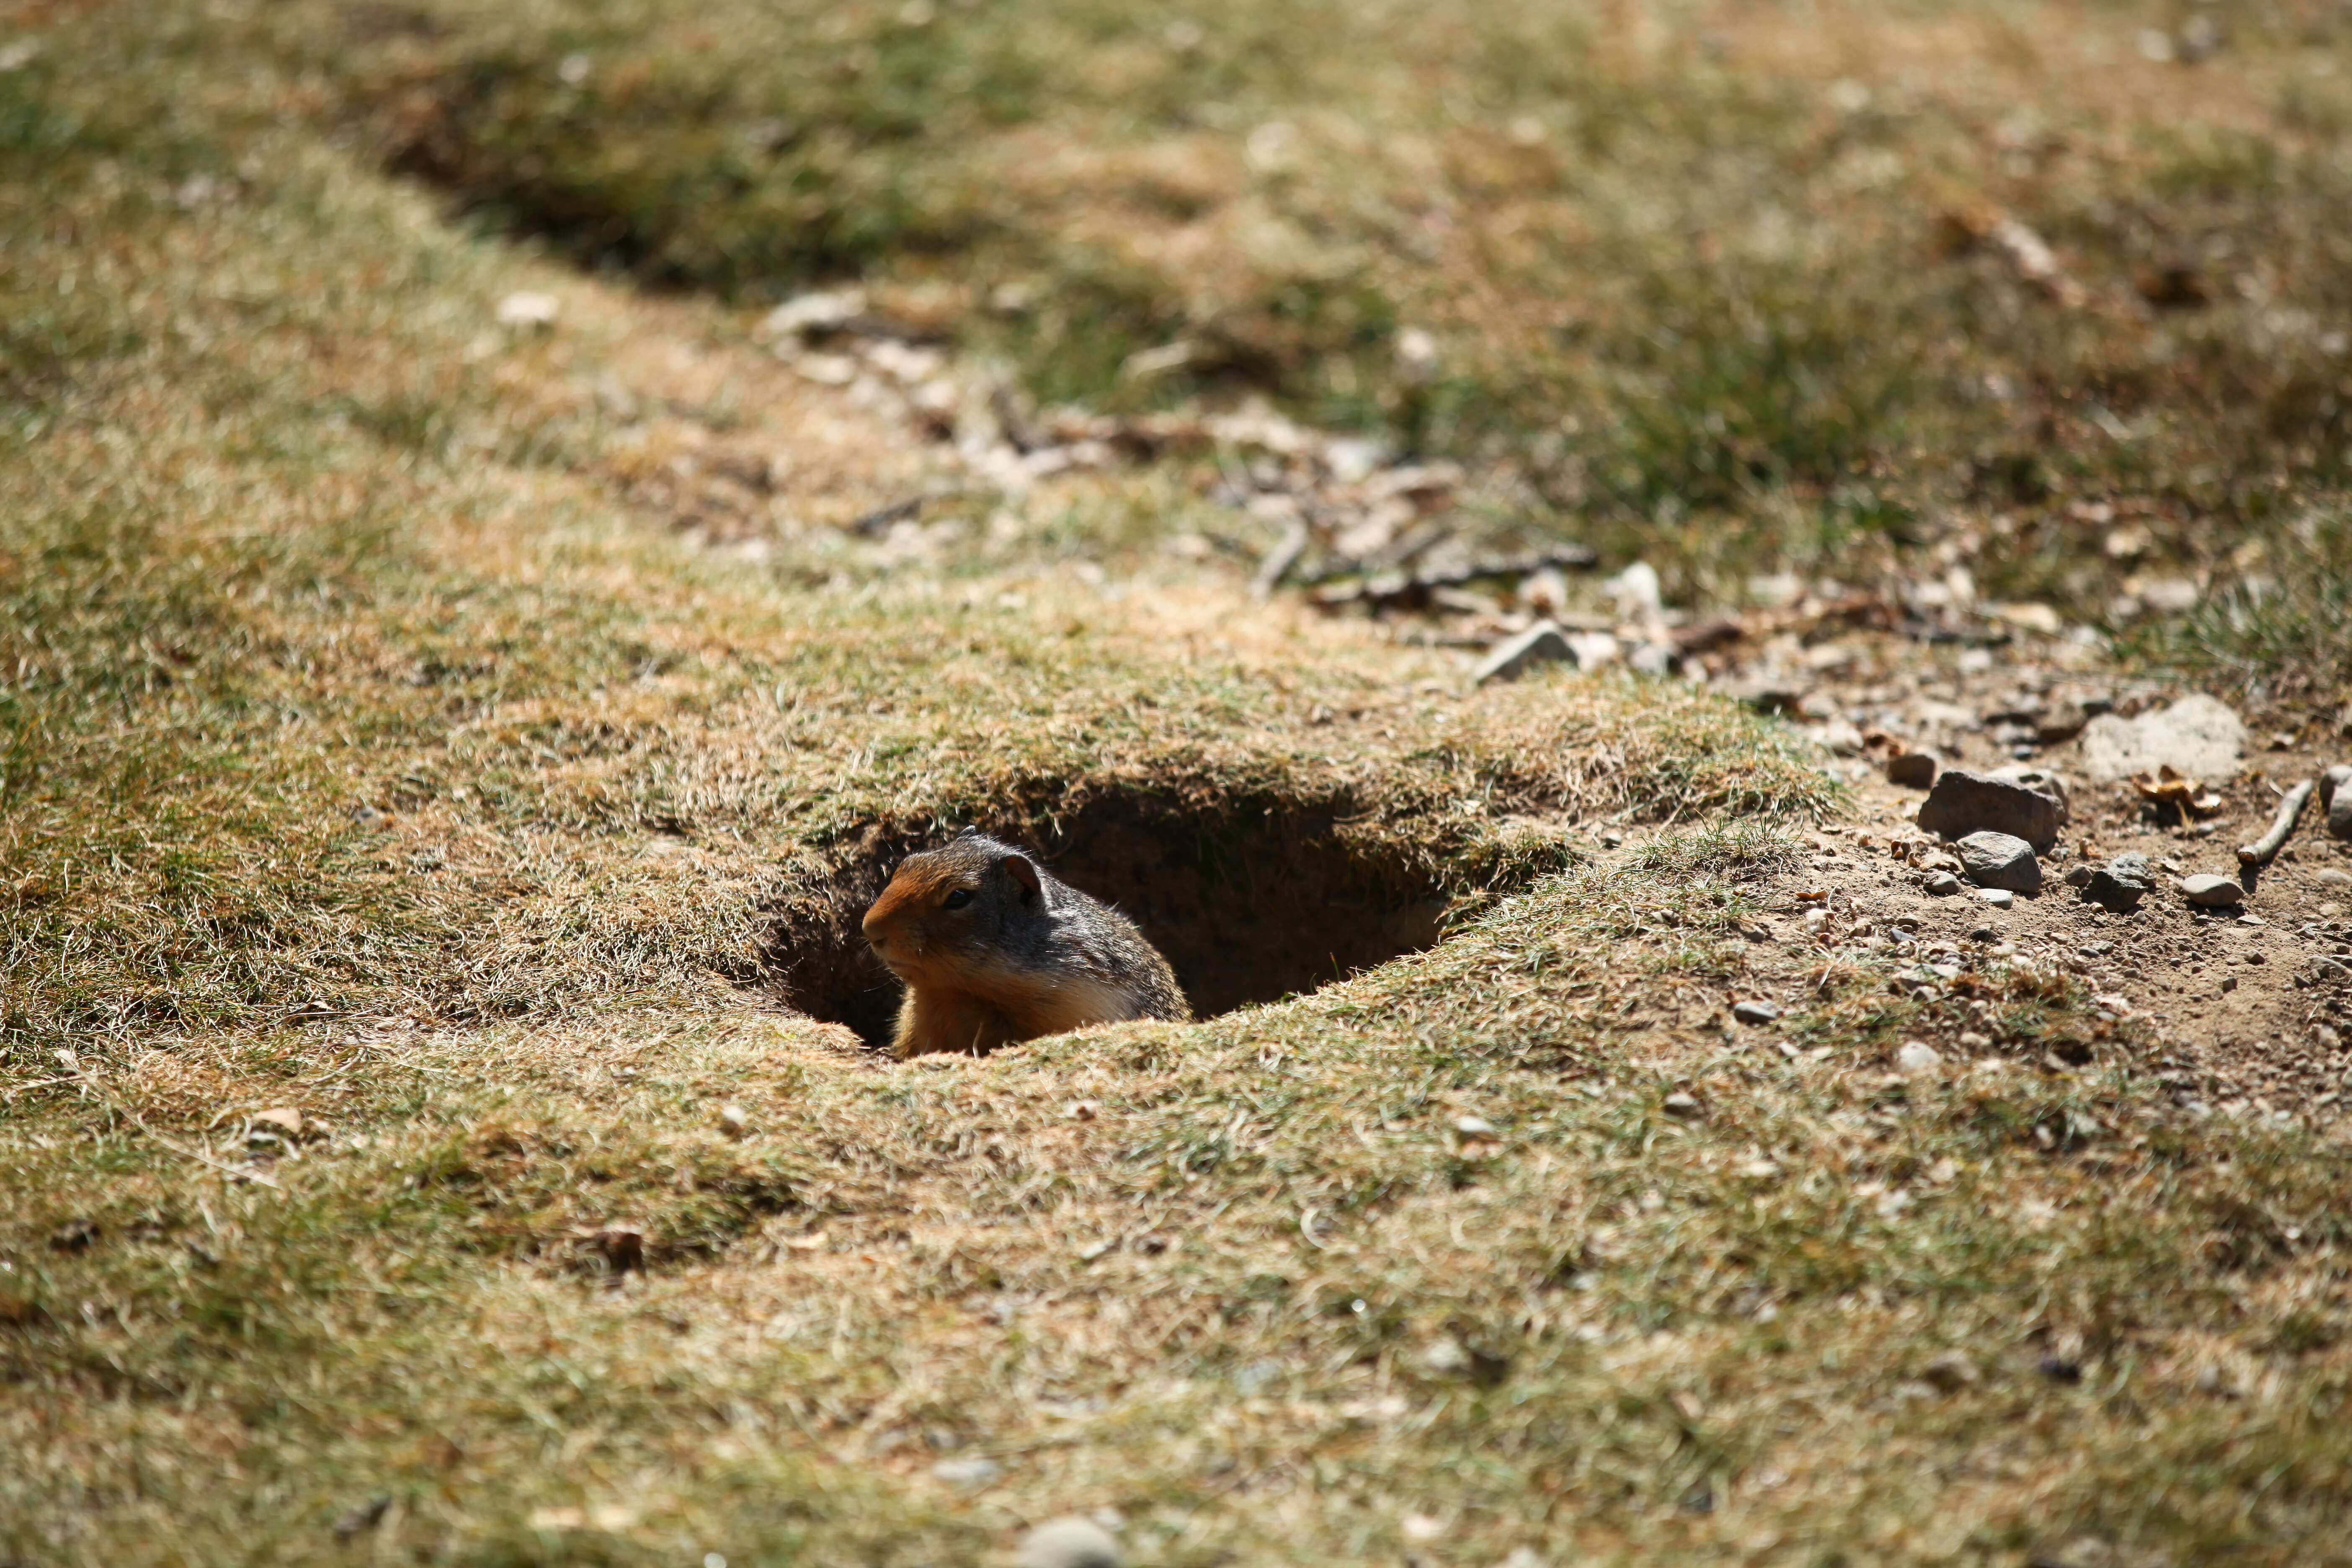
[959, 899]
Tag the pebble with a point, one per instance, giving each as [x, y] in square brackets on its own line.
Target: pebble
[1681, 1104]
[2197, 736]
[528, 309]
[2210, 892]
[1912, 770]
[1998, 898]
[2328, 876]
[1543, 643]
[1943, 884]
[1755, 1012]
[734, 1121]
[2336, 795]
[974, 1472]
[1963, 803]
[2120, 884]
[1950, 1371]
[1654, 658]
[2001, 860]
[1918, 1055]
[1070, 1542]
[2078, 877]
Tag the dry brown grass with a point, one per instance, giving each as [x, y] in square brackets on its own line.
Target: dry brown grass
[291, 530]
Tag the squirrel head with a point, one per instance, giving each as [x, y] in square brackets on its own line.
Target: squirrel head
[947, 911]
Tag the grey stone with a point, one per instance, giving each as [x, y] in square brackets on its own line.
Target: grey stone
[1943, 884]
[1755, 1012]
[2001, 860]
[1654, 658]
[2336, 795]
[1998, 898]
[2209, 891]
[2058, 722]
[2078, 877]
[2040, 780]
[1963, 803]
[1918, 1055]
[2328, 876]
[974, 1472]
[1070, 1542]
[1543, 643]
[2120, 884]
[1912, 770]
[2197, 736]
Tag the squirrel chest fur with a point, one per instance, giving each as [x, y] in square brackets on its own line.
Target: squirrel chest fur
[993, 949]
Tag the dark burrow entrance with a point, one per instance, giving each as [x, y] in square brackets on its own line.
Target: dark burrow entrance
[1252, 898]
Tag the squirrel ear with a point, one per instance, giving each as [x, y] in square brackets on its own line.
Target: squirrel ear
[1020, 869]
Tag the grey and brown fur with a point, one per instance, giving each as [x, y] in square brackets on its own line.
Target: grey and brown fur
[994, 948]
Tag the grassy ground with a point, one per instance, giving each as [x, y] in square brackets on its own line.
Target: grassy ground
[1719, 284]
[364, 755]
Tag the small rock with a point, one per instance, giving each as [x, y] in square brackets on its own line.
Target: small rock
[528, 310]
[2336, 795]
[1963, 803]
[734, 1121]
[2078, 877]
[1473, 1127]
[1755, 1012]
[1839, 738]
[2041, 782]
[1543, 643]
[969, 1473]
[2120, 884]
[1943, 884]
[2001, 860]
[367, 816]
[1998, 898]
[1918, 1055]
[1068, 1543]
[1681, 1104]
[1594, 650]
[2197, 737]
[2058, 722]
[806, 315]
[2210, 892]
[1654, 658]
[2328, 876]
[1912, 770]
[1768, 696]
[1949, 1371]
[283, 1120]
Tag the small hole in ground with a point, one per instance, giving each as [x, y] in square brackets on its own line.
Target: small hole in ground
[1251, 900]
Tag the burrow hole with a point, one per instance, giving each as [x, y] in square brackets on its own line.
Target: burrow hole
[1251, 900]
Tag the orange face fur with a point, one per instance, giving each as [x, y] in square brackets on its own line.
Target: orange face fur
[923, 925]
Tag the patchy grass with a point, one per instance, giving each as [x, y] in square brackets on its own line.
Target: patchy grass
[365, 756]
[1712, 284]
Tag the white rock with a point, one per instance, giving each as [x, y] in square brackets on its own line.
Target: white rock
[1998, 898]
[1918, 1055]
[815, 312]
[528, 310]
[1593, 650]
[1070, 1543]
[2197, 736]
[1543, 643]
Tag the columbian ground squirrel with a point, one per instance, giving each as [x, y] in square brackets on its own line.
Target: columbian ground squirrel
[994, 948]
